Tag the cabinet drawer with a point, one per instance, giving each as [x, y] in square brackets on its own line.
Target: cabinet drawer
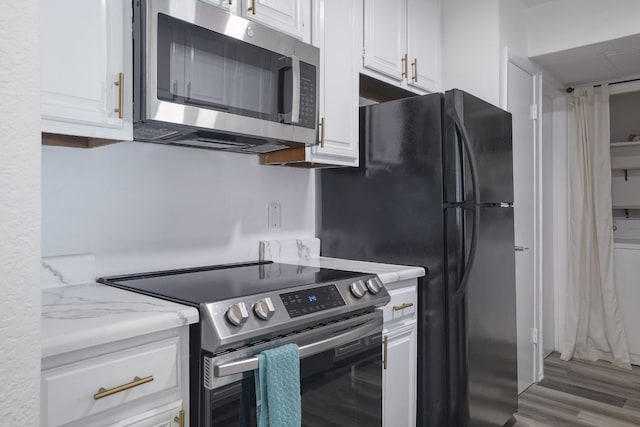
[403, 304]
[68, 391]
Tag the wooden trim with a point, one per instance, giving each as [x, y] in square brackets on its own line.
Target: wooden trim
[293, 157]
[380, 91]
[74, 141]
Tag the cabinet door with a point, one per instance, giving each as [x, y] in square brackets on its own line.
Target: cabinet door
[288, 16]
[423, 38]
[338, 98]
[385, 42]
[228, 5]
[399, 378]
[166, 416]
[83, 49]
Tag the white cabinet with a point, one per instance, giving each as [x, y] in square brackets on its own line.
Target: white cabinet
[333, 24]
[399, 377]
[137, 382]
[339, 88]
[400, 355]
[401, 44]
[86, 68]
[288, 16]
[627, 259]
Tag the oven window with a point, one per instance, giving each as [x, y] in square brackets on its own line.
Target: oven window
[203, 68]
[341, 387]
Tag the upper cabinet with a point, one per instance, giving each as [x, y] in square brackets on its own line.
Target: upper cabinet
[289, 16]
[333, 33]
[86, 64]
[401, 43]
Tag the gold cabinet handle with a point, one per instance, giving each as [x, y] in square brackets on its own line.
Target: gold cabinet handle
[402, 306]
[179, 419]
[103, 392]
[414, 70]
[321, 126]
[405, 72]
[230, 2]
[385, 344]
[252, 8]
[120, 84]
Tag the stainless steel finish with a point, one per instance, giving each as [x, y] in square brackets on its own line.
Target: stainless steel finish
[520, 248]
[358, 288]
[183, 119]
[237, 314]
[354, 333]
[217, 334]
[295, 98]
[264, 308]
[374, 285]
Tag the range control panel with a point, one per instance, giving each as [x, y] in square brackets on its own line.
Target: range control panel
[308, 301]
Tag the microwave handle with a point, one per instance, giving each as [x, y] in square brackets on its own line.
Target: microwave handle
[293, 63]
[295, 101]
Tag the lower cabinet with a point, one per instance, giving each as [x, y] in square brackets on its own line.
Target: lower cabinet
[400, 356]
[142, 382]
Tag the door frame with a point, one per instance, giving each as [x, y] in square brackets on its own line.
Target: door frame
[529, 67]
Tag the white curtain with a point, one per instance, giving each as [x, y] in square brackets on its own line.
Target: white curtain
[594, 328]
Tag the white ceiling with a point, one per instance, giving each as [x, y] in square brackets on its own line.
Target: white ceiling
[608, 60]
[530, 3]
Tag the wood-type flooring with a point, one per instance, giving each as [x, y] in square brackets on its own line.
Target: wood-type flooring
[579, 393]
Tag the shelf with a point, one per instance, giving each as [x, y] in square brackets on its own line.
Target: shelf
[625, 144]
[629, 207]
[630, 168]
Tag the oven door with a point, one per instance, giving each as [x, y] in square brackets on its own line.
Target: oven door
[340, 374]
[205, 68]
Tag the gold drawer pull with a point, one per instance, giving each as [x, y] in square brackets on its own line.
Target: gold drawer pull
[103, 392]
[179, 419]
[120, 84]
[402, 306]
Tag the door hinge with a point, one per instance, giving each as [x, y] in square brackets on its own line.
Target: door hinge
[534, 112]
[534, 336]
[363, 52]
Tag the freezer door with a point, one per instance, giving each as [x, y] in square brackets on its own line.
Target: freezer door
[489, 131]
[483, 352]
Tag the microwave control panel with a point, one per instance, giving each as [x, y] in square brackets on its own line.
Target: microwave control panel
[308, 91]
[309, 301]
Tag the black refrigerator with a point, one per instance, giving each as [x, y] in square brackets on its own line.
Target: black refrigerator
[434, 188]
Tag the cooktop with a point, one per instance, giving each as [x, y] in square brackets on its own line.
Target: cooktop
[194, 286]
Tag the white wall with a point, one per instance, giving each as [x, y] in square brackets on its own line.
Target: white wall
[470, 47]
[561, 25]
[140, 206]
[19, 214]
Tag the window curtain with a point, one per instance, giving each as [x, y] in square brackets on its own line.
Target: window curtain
[594, 328]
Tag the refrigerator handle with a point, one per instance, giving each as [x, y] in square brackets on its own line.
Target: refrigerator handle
[461, 289]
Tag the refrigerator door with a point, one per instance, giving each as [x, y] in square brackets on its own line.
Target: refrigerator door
[390, 210]
[489, 131]
[483, 358]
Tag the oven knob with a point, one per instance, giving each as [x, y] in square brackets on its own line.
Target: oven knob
[237, 314]
[264, 308]
[358, 288]
[374, 285]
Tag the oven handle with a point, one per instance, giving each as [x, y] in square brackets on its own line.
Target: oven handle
[251, 363]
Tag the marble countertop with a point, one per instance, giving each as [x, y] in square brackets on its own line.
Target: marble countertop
[81, 316]
[307, 252]
[388, 273]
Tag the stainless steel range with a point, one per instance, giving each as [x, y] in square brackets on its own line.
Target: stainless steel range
[247, 308]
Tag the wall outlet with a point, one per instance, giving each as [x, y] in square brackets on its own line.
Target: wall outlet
[274, 216]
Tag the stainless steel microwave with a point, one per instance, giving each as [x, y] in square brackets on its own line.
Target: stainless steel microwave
[206, 78]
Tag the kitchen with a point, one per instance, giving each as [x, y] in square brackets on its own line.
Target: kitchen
[212, 206]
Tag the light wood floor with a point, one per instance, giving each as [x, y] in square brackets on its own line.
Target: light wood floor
[577, 393]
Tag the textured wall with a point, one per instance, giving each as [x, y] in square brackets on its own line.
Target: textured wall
[140, 206]
[19, 214]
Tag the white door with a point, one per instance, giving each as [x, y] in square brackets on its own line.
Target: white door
[423, 43]
[289, 16]
[398, 376]
[385, 37]
[521, 87]
[548, 251]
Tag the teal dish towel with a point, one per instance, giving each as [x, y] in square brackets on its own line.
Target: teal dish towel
[278, 401]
